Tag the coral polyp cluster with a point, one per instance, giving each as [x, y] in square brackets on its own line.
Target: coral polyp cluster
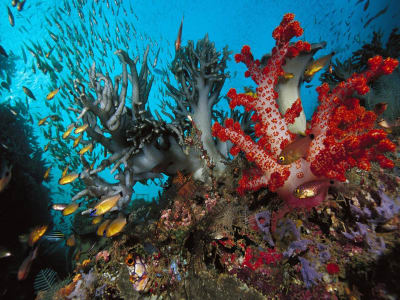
[343, 134]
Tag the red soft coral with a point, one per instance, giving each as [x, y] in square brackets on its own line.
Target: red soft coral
[344, 134]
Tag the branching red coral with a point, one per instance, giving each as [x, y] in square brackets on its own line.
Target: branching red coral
[344, 134]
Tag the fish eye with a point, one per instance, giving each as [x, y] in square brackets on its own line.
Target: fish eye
[297, 191]
[281, 158]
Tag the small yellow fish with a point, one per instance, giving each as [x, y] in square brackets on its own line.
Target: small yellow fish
[285, 77]
[71, 241]
[288, 76]
[317, 65]
[36, 234]
[295, 150]
[68, 132]
[303, 192]
[115, 226]
[253, 94]
[105, 205]
[86, 149]
[46, 147]
[46, 174]
[311, 189]
[20, 5]
[68, 178]
[77, 140]
[64, 172]
[97, 220]
[81, 128]
[70, 209]
[52, 94]
[42, 121]
[101, 230]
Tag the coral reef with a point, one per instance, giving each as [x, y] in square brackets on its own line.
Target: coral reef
[218, 229]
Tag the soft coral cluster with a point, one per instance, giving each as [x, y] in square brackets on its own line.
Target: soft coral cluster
[343, 130]
[346, 137]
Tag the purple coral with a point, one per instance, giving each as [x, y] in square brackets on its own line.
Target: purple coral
[358, 212]
[308, 272]
[388, 208]
[324, 254]
[365, 233]
[263, 220]
[300, 245]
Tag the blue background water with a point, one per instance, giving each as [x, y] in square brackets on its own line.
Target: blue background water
[232, 23]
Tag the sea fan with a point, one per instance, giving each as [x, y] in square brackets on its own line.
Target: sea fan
[44, 280]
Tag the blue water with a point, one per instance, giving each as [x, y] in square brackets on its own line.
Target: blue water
[232, 23]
